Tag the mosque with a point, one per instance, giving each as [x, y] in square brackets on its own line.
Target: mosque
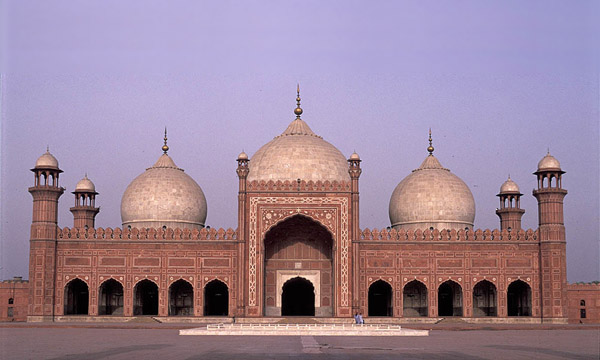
[298, 249]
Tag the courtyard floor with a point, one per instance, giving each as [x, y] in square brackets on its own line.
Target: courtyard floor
[67, 341]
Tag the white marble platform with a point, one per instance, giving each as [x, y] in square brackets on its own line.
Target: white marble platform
[304, 329]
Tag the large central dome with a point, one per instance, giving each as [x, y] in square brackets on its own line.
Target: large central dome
[298, 153]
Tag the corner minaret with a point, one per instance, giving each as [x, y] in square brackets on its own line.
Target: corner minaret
[510, 211]
[85, 210]
[42, 254]
[552, 239]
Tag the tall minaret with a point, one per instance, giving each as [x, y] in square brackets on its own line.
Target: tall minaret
[510, 211]
[242, 172]
[85, 210]
[354, 170]
[42, 253]
[552, 238]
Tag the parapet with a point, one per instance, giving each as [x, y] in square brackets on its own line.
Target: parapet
[448, 235]
[147, 234]
[302, 185]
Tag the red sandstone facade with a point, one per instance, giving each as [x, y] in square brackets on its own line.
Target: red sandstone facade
[14, 299]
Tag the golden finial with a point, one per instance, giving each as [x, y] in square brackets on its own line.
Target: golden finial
[165, 148]
[430, 147]
[298, 109]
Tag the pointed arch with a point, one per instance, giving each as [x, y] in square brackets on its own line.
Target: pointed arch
[110, 297]
[380, 299]
[450, 301]
[145, 298]
[77, 297]
[216, 298]
[181, 298]
[298, 297]
[518, 298]
[485, 299]
[414, 296]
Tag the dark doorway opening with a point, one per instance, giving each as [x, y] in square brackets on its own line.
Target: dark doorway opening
[145, 298]
[216, 299]
[414, 299]
[519, 299]
[298, 298]
[110, 301]
[484, 299]
[450, 299]
[181, 298]
[380, 299]
[76, 298]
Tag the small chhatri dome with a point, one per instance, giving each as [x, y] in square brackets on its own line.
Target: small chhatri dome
[431, 196]
[85, 185]
[163, 195]
[509, 187]
[47, 161]
[548, 162]
[242, 156]
[354, 156]
[298, 153]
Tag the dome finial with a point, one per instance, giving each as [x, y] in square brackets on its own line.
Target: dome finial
[47, 148]
[298, 109]
[165, 147]
[430, 148]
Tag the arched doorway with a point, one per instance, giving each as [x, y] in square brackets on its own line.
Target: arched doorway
[518, 299]
[216, 299]
[145, 298]
[484, 299]
[414, 299]
[298, 247]
[181, 298]
[298, 298]
[380, 299]
[450, 299]
[76, 297]
[110, 298]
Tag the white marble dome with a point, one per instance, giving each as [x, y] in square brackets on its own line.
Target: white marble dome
[46, 161]
[298, 153]
[85, 185]
[431, 196]
[163, 195]
[548, 162]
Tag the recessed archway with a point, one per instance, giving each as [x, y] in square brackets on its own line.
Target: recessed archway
[110, 298]
[76, 297]
[145, 298]
[380, 299]
[298, 298]
[414, 299]
[450, 299]
[518, 299]
[216, 299]
[181, 298]
[298, 246]
[484, 299]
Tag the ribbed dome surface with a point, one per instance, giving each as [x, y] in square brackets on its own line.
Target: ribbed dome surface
[163, 195]
[298, 153]
[85, 185]
[46, 161]
[431, 196]
[509, 186]
[548, 162]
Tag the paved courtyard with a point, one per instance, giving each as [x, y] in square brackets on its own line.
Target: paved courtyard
[67, 342]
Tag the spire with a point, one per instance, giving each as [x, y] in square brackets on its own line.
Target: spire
[298, 109]
[48, 149]
[165, 147]
[430, 147]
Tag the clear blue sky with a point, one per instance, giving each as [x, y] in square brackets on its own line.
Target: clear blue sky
[499, 82]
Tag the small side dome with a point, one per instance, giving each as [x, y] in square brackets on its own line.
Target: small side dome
[46, 161]
[548, 162]
[509, 187]
[242, 156]
[85, 185]
[354, 156]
